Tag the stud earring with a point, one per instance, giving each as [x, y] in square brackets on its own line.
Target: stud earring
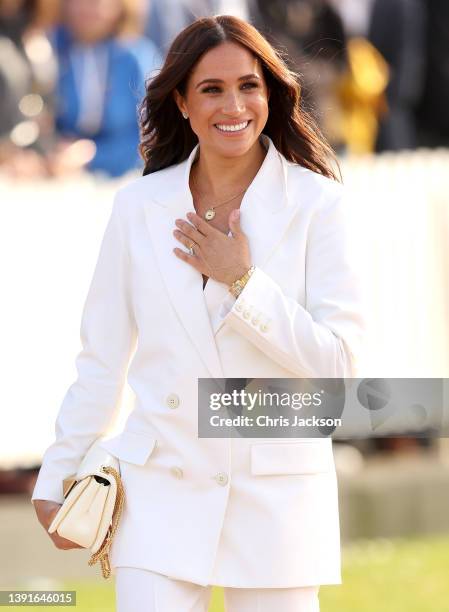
[185, 115]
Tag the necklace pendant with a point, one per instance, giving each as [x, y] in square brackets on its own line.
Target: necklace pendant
[210, 214]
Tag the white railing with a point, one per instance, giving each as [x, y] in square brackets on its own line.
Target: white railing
[400, 206]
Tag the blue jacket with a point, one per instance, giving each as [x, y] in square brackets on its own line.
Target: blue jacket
[129, 63]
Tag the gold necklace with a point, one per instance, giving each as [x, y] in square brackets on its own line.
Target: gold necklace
[210, 212]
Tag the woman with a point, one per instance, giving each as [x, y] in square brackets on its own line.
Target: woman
[222, 131]
[102, 64]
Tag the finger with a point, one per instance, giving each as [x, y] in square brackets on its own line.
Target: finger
[234, 222]
[63, 543]
[190, 259]
[186, 241]
[189, 230]
[68, 543]
[202, 226]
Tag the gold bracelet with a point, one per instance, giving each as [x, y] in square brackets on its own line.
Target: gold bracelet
[237, 286]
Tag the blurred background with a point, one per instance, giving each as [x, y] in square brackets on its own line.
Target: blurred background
[376, 77]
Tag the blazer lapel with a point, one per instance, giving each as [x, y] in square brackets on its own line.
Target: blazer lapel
[266, 213]
[265, 216]
[183, 283]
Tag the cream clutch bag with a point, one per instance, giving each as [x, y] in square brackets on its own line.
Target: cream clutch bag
[93, 503]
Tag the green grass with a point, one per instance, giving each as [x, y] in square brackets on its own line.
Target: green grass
[407, 575]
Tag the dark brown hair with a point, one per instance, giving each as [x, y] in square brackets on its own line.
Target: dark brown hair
[166, 138]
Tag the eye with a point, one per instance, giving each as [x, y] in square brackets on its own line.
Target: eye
[210, 89]
[216, 89]
[251, 84]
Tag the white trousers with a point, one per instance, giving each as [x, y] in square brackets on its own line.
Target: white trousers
[145, 591]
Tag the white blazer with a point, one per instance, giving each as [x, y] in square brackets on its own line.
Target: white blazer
[231, 512]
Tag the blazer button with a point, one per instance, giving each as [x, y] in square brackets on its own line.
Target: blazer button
[177, 472]
[247, 314]
[264, 327]
[221, 478]
[172, 400]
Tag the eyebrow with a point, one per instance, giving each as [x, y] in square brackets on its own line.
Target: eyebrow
[242, 78]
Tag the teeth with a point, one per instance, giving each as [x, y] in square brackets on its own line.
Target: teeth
[232, 128]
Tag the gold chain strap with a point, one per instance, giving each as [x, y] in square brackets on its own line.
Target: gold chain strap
[102, 553]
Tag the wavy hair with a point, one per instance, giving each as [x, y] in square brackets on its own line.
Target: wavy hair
[168, 139]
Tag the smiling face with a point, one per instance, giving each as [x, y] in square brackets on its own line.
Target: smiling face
[226, 99]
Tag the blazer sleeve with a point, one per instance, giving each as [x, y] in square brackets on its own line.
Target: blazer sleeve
[108, 336]
[323, 339]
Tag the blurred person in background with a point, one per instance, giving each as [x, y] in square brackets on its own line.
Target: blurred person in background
[165, 18]
[362, 96]
[355, 15]
[103, 61]
[361, 90]
[432, 111]
[397, 30]
[312, 32]
[27, 75]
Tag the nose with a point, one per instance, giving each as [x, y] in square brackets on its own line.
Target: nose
[233, 104]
